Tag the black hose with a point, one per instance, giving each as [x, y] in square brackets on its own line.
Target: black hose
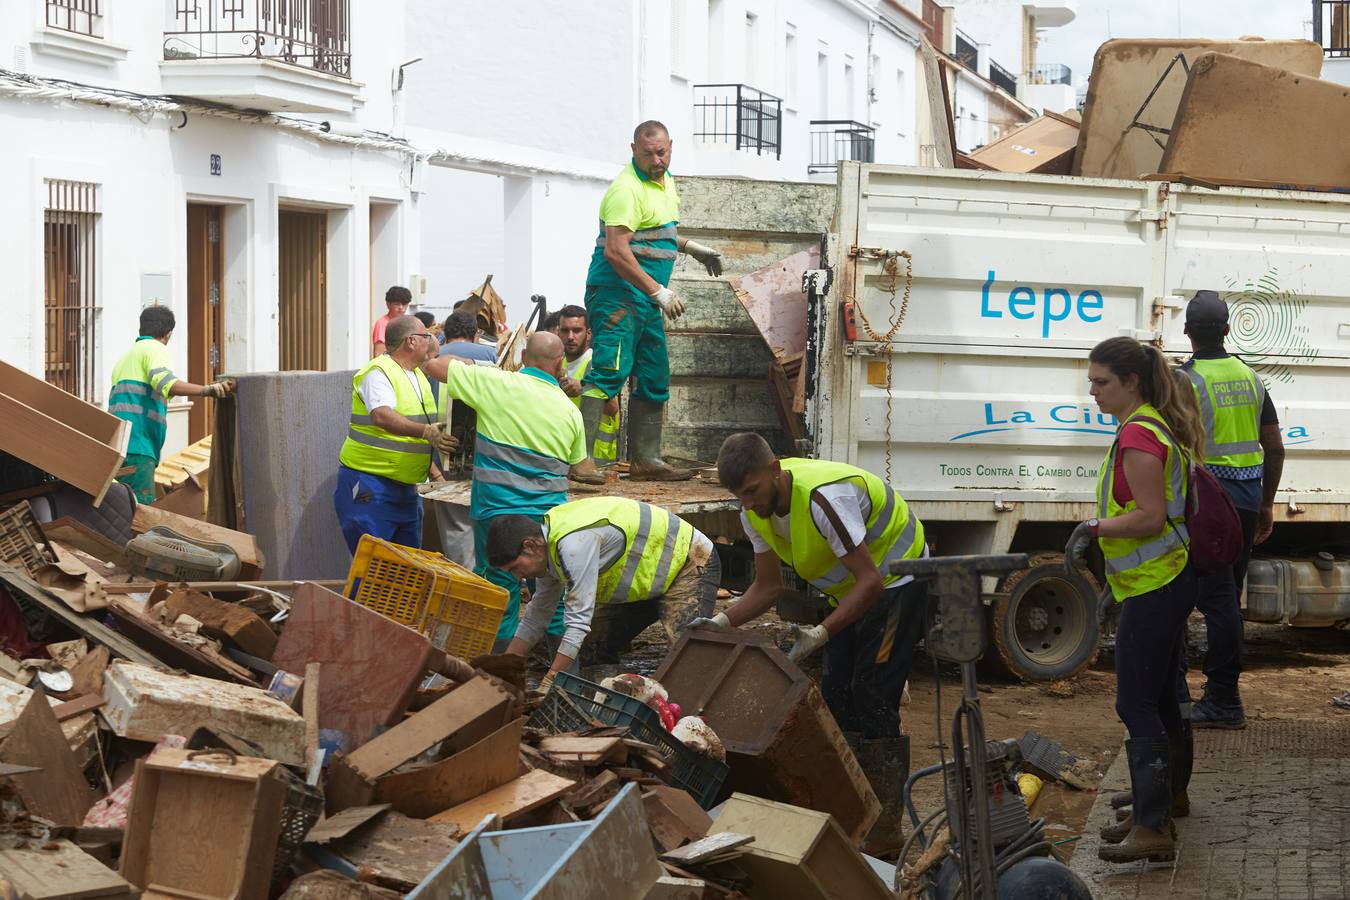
[909, 844]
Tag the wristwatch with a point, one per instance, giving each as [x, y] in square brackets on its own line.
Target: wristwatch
[1093, 525]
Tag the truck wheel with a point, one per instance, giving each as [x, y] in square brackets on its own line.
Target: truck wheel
[1045, 627]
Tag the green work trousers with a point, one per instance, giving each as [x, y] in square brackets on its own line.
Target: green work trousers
[628, 337]
[141, 481]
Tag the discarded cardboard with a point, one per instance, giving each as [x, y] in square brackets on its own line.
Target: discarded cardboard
[371, 664]
[58, 792]
[512, 800]
[161, 640]
[25, 587]
[245, 545]
[393, 851]
[1126, 72]
[781, 740]
[145, 703]
[468, 714]
[1045, 145]
[797, 853]
[225, 621]
[59, 433]
[203, 824]
[59, 870]
[1215, 138]
[610, 856]
[488, 764]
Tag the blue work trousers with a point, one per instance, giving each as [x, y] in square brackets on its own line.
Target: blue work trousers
[379, 506]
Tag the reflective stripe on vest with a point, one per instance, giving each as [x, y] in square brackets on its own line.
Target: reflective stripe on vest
[1138, 565]
[1231, 396]
[644, 242]
[513, 459]
[577, 369]
[656, 545]
[893, 532]
[369, 448]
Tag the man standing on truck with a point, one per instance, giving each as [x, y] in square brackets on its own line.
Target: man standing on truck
[627, 293]
[840, 528]
[1244, 450]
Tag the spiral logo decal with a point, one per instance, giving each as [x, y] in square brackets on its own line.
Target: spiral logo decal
[1264, 327]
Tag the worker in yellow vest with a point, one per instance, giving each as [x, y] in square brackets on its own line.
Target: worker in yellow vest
[839, 527]
[621, 564]
[142, 383]
[395, 425]
[574, 331]
[1245, 452]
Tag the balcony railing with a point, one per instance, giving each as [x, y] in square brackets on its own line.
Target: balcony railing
[1001, 77]
[1050, 73]
[315, 34]
[739, 115]
[833, 140]
[967, 54]
[1331, 26]
[80, 16]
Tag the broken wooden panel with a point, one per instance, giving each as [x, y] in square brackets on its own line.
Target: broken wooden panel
[78, 731]
[203, 824]
[144, 704]
[511, 800]
[393, 850]
[674, 816]
[773, 298]
[1216, 137]
[1125, 72]
[58, 792]
[225, 621]
[371, 664]
[202, 659]
[797, 853]
[610, 856]
[59, 433]
[430, 789]
[1045, 145]
[466, 715]
[59, 870]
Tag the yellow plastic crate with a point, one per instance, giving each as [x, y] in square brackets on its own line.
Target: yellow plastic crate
[458, 610]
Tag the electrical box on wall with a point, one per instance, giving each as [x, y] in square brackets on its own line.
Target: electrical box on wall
[418, 285]
[156, 289]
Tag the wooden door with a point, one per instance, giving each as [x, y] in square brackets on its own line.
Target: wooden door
[302, 268]
[205, 325]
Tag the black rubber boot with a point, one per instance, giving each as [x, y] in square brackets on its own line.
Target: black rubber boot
[1150, 835]
[885, 761]
[644, 444]
[592, 408]
[1181, 754]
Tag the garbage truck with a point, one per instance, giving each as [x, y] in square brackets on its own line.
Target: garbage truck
[947, 317]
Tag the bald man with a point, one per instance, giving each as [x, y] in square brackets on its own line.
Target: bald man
[529, 435]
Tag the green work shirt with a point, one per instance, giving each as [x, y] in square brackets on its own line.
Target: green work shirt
[140, 392]
[651, 211]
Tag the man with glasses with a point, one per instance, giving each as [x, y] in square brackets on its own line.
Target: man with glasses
[395, 425]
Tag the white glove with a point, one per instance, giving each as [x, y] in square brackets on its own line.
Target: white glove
[671, 305]
[809, 640]
[719, 622]
[711, 259]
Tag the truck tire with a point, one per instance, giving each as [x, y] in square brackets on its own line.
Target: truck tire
[1044, 627]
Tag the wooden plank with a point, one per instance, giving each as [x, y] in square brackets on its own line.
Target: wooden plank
[486, 765]
[589, 751]
[397, 851]
[59, 870]
[310, 705]
[58, 792]
[250, 557]
[674, 816]
[76, 534]
[61, 405]
[57, 449]
[344, 823]
[244, 628]
[159, 639]
[63, 711]
[372, 664]
[89, 626]
[708, 847]
[87, 673]
[513, 799]
[211, 587]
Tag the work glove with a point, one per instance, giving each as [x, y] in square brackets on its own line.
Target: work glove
[547, 681]
[671, 305]
[809, 640]
[711, 259]
[719, 622]
[1075, 551]
[218, 389]
[1105, 601]
[440, 439]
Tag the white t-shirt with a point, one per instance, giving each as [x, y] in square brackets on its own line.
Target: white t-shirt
[377, 390]
[584, 555]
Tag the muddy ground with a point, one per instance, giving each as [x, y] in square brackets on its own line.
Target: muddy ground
[1290, 674]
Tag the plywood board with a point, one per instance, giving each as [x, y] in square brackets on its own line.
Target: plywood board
[58, 792]
[159, 639]
[371, 664]
[76, 534]
[486, 765]
[704, 849]
[586, 751]
[528, 792]
[1124, 72]
[773, 298]
[1044, 145]
[939, 110]
[57, 448]
[1216, 137]
[397, 851]
[59, 870]
[344, 823]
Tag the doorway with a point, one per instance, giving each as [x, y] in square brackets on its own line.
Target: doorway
[205, 324]
[302, 270]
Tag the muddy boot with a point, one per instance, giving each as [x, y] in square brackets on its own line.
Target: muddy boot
[1220, 709]
[1181, 754]
[644, 444]
[585, 471]
[1150, 836]
[885, 762]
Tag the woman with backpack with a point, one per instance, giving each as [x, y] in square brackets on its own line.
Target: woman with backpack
[1141, 529]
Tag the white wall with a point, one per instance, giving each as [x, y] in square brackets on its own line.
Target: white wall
[970, 103]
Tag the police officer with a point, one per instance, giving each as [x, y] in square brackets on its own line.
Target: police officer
[1245, 452]
[627, 293]
[622, 564]
[839, 527]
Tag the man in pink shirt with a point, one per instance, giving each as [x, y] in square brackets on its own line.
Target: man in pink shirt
[397, 299]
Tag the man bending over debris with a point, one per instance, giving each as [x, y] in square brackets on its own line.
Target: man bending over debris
[623, 564]
[142, 382]
[839, 527]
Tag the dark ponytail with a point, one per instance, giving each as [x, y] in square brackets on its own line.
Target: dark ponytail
[1125, 356]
